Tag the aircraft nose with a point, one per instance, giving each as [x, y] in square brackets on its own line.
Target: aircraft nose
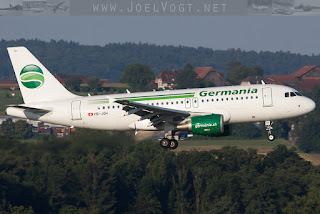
[310, 105]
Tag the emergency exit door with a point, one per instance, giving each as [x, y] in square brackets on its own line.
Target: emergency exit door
[76, 110]
[267, 97]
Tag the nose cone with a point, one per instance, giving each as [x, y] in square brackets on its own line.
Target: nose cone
[310, 105]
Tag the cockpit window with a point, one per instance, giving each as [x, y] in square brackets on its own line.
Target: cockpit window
[292, 94]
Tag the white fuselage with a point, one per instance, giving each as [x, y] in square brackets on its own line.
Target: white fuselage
[238, 104]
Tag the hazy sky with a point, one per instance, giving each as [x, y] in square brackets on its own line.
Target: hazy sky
[287, 33]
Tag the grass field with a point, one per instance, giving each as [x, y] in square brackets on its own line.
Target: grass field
[262, 146]
[234, 142]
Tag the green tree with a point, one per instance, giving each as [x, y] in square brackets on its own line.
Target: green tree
[237, 72]
[305, 204]
[22, 130]
[246, 131]
[8, 128]
[187, 78]
[307, 127]
[94, 84]
[73, 84]
[138, 76]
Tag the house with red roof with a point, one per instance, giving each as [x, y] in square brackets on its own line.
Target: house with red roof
[166, 79]
[306, 78]
[213, 75]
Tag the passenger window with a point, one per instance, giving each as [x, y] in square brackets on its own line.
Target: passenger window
[286, 94]
[212, 100]
[226, 99]
[241, 98]
[231, 98]
[217, 99]
[292, 94]
[181, 102]
[98, 108]
[177, 102]
[207, 100]
[221, 99]
[171, 103]
[202, 100]
[108, 107]
[167, 103]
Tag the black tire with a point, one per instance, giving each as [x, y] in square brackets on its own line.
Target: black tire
[165, 143]
[271, 137]
[173, 144]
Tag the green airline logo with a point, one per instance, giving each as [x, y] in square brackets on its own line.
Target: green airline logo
[31, 76]
[228, 92]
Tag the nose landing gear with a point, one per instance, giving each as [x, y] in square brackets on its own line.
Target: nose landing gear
[268, 125]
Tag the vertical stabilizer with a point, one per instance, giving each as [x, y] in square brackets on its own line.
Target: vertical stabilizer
[36, 83]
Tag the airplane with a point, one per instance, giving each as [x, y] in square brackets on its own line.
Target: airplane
[259, 7]
[306, 7]
[20, 8]
[283, 7]
[15, 7]
[202, 111]
[56, 7]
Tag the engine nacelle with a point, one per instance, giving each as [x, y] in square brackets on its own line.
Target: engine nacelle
[204, 125]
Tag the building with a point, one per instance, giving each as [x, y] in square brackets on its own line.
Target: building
[304, 79]
[213, 75]
[166, 79]
[8, 84]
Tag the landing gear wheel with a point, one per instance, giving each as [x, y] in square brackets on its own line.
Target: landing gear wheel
[173, 144]
[165, 143]
[271, 137]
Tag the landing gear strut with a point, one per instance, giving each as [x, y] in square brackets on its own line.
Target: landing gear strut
[268, 125]
[169, 143]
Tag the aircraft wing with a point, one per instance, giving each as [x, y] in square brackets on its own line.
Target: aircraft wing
[156, 114]
[31, 109]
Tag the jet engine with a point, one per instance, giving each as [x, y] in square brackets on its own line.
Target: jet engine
[212, 125]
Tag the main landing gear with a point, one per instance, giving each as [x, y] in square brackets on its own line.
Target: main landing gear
[268, 125]
[169, 143]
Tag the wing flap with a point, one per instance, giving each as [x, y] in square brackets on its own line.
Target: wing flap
[155, 114]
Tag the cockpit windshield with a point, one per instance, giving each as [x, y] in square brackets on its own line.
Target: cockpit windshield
[292, 94]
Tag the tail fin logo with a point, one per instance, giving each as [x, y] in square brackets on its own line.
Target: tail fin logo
[32, 77]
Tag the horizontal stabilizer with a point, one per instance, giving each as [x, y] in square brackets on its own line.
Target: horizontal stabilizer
[31, 109]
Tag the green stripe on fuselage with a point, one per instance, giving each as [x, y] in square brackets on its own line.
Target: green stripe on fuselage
[160, 98]
[157, 97]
